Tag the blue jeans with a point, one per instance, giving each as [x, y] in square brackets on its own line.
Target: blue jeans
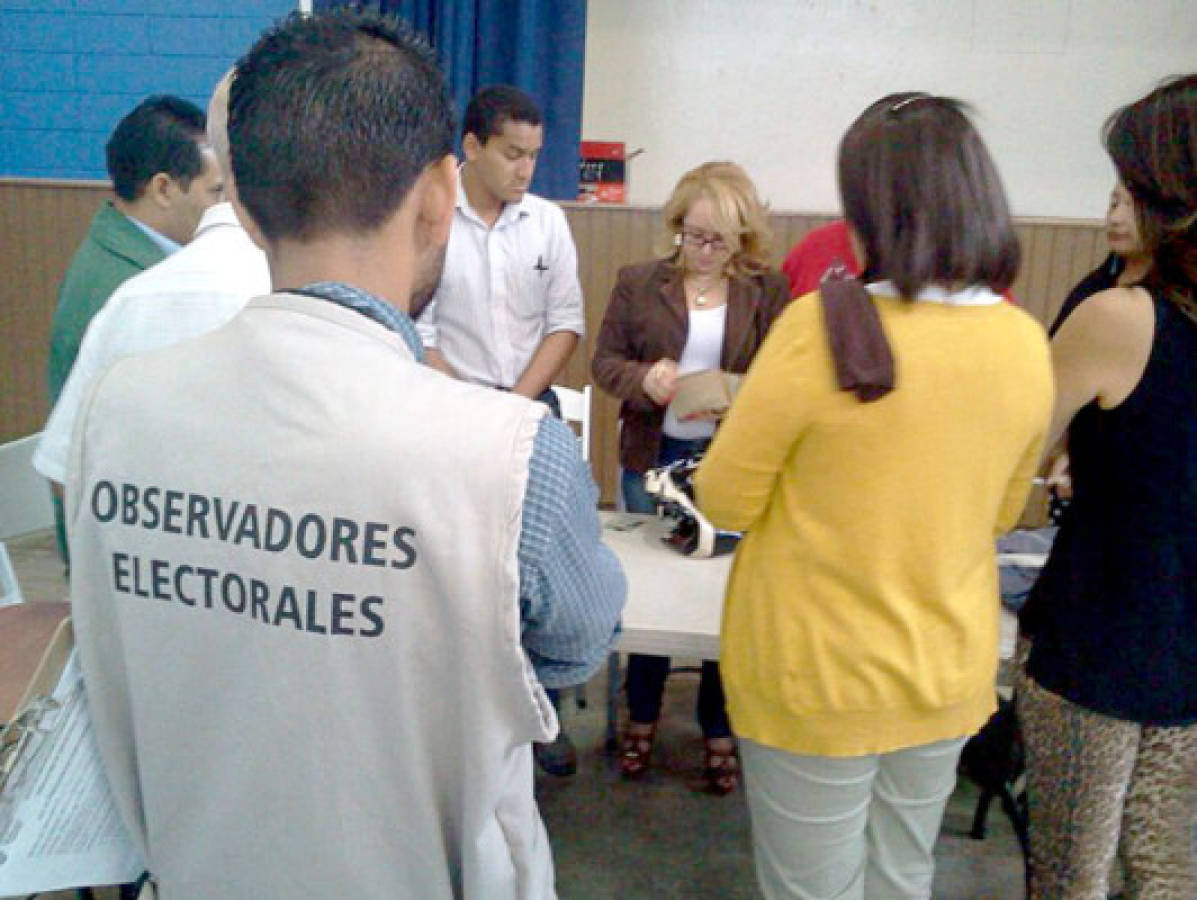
[647, 674]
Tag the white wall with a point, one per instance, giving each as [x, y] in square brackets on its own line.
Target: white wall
[773, 84]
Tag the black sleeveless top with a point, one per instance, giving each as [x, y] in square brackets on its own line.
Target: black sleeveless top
[1114, 614]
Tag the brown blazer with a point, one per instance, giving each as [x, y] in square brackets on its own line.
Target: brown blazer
[647, 320]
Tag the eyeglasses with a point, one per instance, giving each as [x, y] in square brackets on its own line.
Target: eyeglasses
[699, 240]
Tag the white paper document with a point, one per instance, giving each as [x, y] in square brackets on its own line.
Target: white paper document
[59, 826]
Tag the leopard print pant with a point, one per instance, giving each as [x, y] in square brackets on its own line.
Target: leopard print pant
[1100, 787]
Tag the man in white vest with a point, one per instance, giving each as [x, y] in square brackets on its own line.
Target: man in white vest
[319, 587]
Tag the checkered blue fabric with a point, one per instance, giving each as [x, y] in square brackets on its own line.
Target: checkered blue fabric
[572, 587]
[371, 307]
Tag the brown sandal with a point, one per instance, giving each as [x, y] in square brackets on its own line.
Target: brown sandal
[635, 752]
[721, 770]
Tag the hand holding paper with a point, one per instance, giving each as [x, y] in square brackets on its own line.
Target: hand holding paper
[660, 381]
[704, 395]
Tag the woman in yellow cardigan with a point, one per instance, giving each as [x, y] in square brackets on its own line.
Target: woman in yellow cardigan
[860, 629]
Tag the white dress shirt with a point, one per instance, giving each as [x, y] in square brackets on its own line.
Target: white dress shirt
[193, 291]
[504, 289]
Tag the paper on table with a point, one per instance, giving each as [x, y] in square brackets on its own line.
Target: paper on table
[59, 826]
[708, 390]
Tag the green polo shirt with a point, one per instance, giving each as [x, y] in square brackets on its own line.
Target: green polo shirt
[114, 250]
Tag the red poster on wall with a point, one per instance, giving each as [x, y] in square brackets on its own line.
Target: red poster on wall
[602, 172]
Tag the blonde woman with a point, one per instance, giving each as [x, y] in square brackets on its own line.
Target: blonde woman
[706, 304]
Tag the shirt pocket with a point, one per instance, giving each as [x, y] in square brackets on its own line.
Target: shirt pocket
[528, 284]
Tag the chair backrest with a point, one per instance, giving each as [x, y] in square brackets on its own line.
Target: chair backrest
[25, 503]
[575, 407]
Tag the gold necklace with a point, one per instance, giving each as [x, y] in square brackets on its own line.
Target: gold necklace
[700, 294]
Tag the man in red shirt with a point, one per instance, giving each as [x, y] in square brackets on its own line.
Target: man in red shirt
[824, 253]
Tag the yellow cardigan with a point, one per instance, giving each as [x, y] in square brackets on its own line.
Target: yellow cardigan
[862, 609]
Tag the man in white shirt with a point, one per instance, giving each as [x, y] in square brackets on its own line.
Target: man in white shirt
[508, 313]
[193, 291]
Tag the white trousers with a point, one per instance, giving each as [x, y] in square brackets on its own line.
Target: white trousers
[850, 828]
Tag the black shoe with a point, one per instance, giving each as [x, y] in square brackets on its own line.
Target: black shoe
[557, 758]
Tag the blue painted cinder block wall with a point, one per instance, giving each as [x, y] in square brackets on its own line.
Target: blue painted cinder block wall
[69, 69]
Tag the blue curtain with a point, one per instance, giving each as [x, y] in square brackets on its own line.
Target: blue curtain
[537, 45]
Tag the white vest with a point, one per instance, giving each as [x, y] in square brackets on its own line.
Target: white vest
[295, 591]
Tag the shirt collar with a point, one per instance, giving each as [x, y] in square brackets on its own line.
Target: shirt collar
[168, 246]
[973, 295]
[217, 214]
[371, 307]
[511, 212]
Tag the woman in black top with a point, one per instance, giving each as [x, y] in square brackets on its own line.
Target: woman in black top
[1109, 697]
[1127, 263]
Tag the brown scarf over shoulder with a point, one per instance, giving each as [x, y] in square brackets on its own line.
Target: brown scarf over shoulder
[859, 349]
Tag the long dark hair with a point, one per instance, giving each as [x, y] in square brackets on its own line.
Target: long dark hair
[1153, 143]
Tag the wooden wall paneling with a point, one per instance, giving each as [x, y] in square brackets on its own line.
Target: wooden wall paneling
[1057, 271]
[16, 340]
[1078, 252]
[42, 224]
[1056, 255]
[1022, 284]
[1062, 265]
[607, 239]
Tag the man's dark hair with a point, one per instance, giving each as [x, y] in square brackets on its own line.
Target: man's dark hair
[921, 191]
[161, 134]
[332, 118]
[1153, 143]
[493, 107]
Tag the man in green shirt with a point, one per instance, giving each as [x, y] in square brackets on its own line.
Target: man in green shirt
[164, 175]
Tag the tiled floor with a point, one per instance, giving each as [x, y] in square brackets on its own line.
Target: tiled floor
[658, 838]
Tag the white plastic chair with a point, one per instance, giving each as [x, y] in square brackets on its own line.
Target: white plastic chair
[25, 503]
[575, 408]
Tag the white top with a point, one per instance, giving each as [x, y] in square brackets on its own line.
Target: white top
[504, 289]
[303, 661]
[703, 350]
[193, 291]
